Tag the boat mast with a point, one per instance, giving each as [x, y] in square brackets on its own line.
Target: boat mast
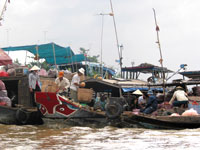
[118, 46]
[3, 10]
[159, 46]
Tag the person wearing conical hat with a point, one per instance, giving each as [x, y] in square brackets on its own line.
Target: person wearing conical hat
[180, 96]
[63, 84]
[137, 93]
[34, 82]
[75, 84]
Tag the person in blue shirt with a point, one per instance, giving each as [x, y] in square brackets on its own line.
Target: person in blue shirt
[151, 103]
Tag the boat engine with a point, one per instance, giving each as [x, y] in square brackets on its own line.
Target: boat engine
[114, 107]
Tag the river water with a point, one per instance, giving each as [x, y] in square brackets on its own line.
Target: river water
[47, 137]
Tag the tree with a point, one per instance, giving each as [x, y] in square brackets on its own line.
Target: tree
[43, 65]
[88, 57]
[17, 62]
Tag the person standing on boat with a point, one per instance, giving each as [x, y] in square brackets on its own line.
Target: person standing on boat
[181, 96]
[75, 84]
[63, 84]
[151, 103]
[34, 83]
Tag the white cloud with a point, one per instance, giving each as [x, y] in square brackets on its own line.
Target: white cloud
[76, 23]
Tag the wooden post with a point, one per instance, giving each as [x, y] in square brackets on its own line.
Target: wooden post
[54, 55]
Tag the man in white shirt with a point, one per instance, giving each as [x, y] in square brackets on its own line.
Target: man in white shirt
[75, 83]
[180, 96]
[63, 84]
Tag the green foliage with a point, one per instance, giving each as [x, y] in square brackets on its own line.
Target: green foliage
[43, 65]
[17, 62]
[88, 57]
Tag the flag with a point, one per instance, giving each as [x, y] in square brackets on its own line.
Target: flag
[157, 28]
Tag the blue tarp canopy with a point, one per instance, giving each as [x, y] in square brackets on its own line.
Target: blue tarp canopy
[110, 71]
[131, 89]
[63, 55]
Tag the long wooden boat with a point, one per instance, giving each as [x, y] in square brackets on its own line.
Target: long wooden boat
[163, 122]
[56, 107]
[53, 106]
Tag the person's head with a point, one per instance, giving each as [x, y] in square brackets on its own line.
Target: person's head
[35, 69]
[179, 88]
[150, 92]
[61, 75]
[81, 72]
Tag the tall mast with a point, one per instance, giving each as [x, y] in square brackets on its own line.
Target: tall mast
[159, 46]
[118, 46]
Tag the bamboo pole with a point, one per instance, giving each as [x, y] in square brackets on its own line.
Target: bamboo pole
[54, 55]
[159, 46]
[118, 47]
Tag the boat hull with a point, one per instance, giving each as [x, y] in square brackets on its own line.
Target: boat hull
[164, 122]
[19, 116]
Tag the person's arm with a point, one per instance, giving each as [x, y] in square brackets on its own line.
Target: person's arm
[67, 83]
[56, 81]
[30, 82]
[76, 81]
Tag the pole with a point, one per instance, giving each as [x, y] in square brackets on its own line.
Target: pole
[101, 71]
[37, 55]
[102, 32]
[159, 46]
[54, 55]
[25, 58]
[4, 8]
[118, 47]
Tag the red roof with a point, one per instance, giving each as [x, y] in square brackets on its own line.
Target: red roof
[4, 58]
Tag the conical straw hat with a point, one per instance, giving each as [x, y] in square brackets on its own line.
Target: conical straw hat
[35, 68]
[137, 92]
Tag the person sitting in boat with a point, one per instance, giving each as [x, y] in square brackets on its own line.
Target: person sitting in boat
[137, 103]
[151, 103]
[34, 83]
[63, 84]
[142, 101]
[75, 84]
[181, 97]
[4, 99]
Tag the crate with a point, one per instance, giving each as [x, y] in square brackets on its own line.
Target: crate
[21, 71]
[49, 86]
[85, 95]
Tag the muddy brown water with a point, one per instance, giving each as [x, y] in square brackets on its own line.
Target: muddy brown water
[54, 136]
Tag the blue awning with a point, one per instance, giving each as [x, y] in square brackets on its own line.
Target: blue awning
[63, 55]
[131, 89]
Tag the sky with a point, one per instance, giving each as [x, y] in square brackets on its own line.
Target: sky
[77, 23]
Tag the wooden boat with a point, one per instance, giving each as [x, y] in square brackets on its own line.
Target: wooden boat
[163, 122]
[22, 111]
[56, 107]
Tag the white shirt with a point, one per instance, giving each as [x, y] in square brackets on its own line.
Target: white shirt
[75, 79]
[180, 95]
[141, 100]
[64, 83]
